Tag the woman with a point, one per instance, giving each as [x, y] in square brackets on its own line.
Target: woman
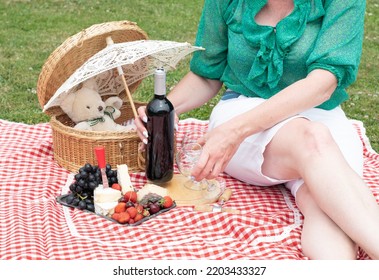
[286, 65]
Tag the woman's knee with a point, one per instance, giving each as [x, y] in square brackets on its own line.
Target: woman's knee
[316, 138]
[301, 137]
[294, 146]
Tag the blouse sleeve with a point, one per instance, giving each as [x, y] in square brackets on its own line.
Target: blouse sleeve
[211, 35]
[339, 44]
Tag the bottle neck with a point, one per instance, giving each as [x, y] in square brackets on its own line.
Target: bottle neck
[160, 82]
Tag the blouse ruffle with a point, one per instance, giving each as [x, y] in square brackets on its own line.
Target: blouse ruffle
[273, 42]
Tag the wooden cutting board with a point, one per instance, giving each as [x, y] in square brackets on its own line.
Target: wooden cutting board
[187, 197]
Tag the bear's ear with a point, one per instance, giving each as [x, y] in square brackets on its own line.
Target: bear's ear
[67, 103]
[90, 83]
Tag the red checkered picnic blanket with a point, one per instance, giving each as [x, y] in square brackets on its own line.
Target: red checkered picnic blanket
[34, 226]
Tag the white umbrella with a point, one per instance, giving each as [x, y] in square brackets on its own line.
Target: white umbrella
[119, 65]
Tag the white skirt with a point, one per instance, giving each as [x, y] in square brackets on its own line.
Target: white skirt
[246, 164]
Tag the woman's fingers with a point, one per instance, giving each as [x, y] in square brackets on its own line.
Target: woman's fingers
[216, 170]
[219, 146]
[202, 167]
[210, 165]
[140, 124]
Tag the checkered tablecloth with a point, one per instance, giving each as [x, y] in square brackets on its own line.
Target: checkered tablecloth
[34, 226]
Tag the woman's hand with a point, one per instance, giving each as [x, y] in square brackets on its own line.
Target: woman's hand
[219, 146]
[140, 124]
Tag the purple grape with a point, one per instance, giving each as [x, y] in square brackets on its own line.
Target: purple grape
[154, 208]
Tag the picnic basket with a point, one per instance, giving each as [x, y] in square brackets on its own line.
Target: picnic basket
[73, 148]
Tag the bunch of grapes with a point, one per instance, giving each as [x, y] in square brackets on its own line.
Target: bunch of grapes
[86, 181]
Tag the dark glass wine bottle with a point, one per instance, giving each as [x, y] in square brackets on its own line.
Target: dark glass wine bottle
[160, 126]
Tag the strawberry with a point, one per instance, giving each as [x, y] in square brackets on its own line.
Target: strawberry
[166, 202]
[132, 211]
[120, 207]
[116, 187]
[138, 217]
[115, 216]
[123, 217]
[130, 196]
[139, 208]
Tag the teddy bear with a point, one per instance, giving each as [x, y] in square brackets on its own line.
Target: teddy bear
[89, 112]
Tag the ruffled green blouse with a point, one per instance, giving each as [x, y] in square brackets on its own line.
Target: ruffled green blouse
[259, 61]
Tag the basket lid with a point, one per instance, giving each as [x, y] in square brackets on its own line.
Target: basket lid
[77, 49]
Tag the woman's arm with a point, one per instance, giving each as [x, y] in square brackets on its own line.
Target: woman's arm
[223, 141]
[192, 92]
[304, 94]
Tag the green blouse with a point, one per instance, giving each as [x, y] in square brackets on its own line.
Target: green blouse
[259, 61]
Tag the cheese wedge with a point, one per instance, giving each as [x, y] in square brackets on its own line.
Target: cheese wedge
[105, 200]
[123, 178]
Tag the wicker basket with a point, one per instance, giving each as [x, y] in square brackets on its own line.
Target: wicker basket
[73, 148]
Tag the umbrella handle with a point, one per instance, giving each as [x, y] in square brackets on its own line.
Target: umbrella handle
[121, 73]
[130, 97]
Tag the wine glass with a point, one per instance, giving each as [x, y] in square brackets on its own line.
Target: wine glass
[186, 159]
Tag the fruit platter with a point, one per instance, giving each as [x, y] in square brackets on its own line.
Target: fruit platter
[119, 202]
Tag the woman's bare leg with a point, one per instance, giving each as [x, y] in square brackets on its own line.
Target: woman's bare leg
[304, 149]
[321, 238]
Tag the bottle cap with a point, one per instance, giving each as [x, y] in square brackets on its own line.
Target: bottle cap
[160, 82]
[100, 155]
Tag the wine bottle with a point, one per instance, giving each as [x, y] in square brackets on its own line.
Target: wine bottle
[160, 127]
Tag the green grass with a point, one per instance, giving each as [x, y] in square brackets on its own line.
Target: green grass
[31, 30]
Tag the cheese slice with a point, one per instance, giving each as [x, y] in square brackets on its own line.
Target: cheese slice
[123, 178]
[105, 200]
[105, 208]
